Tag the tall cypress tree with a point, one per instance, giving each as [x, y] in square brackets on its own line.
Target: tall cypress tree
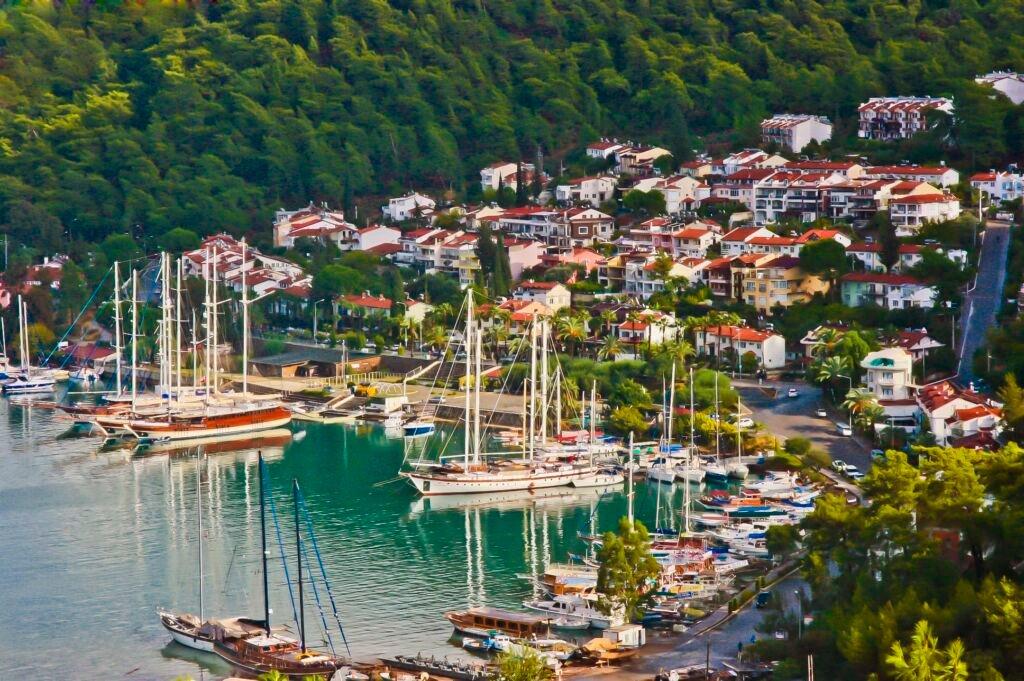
[520, 185]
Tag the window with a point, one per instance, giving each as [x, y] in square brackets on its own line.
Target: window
[886, 392]
[887, 375]
[583, 231]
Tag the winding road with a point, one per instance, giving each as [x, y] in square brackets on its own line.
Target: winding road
[984, 297]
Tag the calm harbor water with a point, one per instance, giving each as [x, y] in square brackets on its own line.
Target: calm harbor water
[92, 542]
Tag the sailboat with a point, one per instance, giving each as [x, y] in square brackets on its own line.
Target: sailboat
[190, 630]
[29, 379]
[179, 414]
[737, 469]
[477, 473]
[269, 651]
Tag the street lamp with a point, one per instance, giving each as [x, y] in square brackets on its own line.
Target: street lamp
[849, 413]
[800, 615]
[315, 303]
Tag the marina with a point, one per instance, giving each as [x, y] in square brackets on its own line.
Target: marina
[123, 531]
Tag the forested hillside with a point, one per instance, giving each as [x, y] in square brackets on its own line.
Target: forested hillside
[151, 116]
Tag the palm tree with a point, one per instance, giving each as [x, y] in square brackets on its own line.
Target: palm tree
[443, 314]
[503, 317]
[828, 339]
[496, 336]
[571, 332]
[610, 348]
[633, 317]
[830, 370]
[608, 320]
[864, 407]
[924, 660]
[679, 350]
[437, 337]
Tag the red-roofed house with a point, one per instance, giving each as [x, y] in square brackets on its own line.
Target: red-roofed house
[313, 222]
[769, 348]
[587, 258]
[891, 291]
[604, 148]
[941, 176]
[775, 281]
[895, 118]
[871, 256]
[910, 213]
[952, 412]
[590, 190]
[377, 235]
[734, 243]
[999, 185]
[847, 169]
[646, 327]
[794, 195]
[552, 294]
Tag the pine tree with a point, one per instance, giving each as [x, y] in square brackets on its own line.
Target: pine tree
[520, 185]
[887, 238]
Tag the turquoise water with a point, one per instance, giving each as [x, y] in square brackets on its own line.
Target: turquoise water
[93, 542]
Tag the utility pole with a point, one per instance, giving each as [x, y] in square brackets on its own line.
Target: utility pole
[707, 651]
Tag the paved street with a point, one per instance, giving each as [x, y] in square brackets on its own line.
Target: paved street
[795, 417]
[982, 302]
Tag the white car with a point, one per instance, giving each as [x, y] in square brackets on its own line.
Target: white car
[852, 471]
[745, 422]
[844, 429]
[838, 465]
[822, 413]
[792, 392]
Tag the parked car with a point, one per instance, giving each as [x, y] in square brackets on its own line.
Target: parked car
[838, 465]
[877, 454]
[853, 472]
[821, 412]
[436, 399]
[793, 392]
[856, 476]
[844, 429]
[745, 422]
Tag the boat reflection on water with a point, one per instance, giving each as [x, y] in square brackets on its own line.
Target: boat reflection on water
[546, 497]
[271, 442]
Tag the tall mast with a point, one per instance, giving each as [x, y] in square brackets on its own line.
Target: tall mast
[207, 322]
[629, 475]
[177, 328]
[21, 335]
[245, 328]
[263, 545]
[199, 522]
[739, 428]
[524, 430]
[298, 558]
[672, 404]
[213, 358]
[195, 353]
[718, 423]
[544, 383]
[468, 342]
[478, 336]
[533, 386]
[558, 401]
[118, 346]
[135, 335]
[166, 359]
[593, 419]
[693, 444]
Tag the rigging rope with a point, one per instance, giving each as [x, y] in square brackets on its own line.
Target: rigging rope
[323, 571]
[280, 543]
[79, 316]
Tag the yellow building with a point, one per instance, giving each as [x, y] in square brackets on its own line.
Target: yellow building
[778, 282]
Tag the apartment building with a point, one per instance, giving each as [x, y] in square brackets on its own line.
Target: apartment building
[777, 282]
[896, 118]
[891, 291]
[795, 131]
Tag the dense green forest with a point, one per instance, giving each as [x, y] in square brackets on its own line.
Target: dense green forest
[142, 117]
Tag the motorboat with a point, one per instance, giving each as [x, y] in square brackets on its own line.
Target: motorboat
[604, 477]
[662, 470]
[573, 606]
[26, 384]
[737, 470]
[484, 622]
[418, 428]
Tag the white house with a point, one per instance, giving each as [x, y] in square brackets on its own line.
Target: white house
[549, 293]
[871, 256]
[959, 417]
[416, 310]
[593, 190]
[681, 192]
[505, 174]
[895, 118]
[377, 235]
[413, 205]
[734, 243]
[940, 176]
[891, 291]
[649, 327]
[999, 185]
[313, 222]
[910, 213]
[1009, 83]
[604, 149]
[795, 131]
[693, 241]
[888, 373]
[769, 348]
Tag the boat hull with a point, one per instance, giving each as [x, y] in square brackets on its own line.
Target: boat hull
[434, 484]
[215, 426]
